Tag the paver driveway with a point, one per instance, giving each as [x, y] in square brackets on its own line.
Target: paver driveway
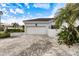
[34, 45]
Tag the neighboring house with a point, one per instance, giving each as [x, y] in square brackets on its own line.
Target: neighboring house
[4, 24]
[38, 26]
[12, 26]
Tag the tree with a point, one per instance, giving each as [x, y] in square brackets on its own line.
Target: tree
[15, 25]
[68, 14]
[1, 13]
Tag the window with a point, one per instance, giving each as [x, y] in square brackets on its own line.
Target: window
[36, 25]
[53, 27]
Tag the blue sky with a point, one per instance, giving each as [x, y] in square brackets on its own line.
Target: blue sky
[17, 12]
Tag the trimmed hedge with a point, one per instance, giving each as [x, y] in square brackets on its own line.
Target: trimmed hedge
[4, 34]
[14, 30]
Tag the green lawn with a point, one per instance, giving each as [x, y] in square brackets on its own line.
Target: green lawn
[4, 34]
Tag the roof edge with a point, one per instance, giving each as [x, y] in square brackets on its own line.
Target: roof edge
[39, 19]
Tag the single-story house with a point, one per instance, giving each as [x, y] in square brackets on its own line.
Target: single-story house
[38, 26]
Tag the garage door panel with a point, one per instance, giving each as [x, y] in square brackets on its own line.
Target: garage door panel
[36, 30]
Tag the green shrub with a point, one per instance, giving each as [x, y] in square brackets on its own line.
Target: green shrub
[4, 34]
[1, 28]
[68, 36]
[14, 30]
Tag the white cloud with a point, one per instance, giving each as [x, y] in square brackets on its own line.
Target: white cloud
[20, 5]
[3, 4]
[5, 12]
[39, 14]
[3, 9]
[27, 5]
[51, 16]
[42, 5]
[8, 20]
[12, 20]
[58, 6]
[0, 9]
[17, 10]
[55, 9]
[12, 11]
[28, 13]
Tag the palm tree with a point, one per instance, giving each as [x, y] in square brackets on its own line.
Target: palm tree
[1, 13]
[68, 14]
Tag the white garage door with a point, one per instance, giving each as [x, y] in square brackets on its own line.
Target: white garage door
[36, 30]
